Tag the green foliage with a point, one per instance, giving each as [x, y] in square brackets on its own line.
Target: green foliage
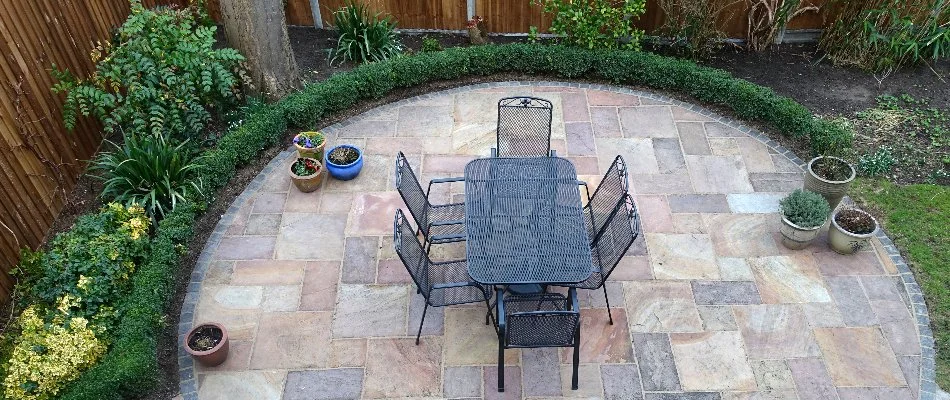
[162, 75]
[877, 163]
[596, 24]
[364, 38]
[533, 34]
[834, 137]
[431, 44]
[916, 217]
[690, 26]
[151, 172]
[805, 209]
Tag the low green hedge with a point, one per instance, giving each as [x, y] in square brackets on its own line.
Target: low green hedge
[130, 368]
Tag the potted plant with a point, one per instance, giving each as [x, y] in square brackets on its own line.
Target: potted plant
[477, 30]
[830, 177]
[307, 174]
[851, 230]
[310, 144]
[803, 215]
[208, 343]
[344, 162]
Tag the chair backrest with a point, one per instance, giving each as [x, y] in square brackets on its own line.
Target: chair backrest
[411, 192]
[524, 127]
[608, 195]
[544, 324]
[612, 242]
[411, 253]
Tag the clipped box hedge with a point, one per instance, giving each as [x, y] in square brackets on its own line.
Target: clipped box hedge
[130, 368]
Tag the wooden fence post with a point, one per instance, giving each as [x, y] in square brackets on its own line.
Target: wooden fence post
[315, 10]
[471, 8]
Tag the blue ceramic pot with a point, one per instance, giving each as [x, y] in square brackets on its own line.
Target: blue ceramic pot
[344, 172]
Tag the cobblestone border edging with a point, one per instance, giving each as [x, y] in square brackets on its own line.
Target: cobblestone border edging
[188, 382]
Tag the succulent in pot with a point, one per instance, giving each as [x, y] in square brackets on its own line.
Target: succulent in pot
[307, 174]
[803, 215]
[310, 144]
[344, 162]
[830, 177]
[207, 343]
[851, 230]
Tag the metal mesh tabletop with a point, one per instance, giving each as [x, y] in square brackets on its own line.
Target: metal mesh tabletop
[524, 222]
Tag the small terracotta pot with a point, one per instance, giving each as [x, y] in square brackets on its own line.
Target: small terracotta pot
[307, 183]
[845, 242]
[216, 355]
[310, 152]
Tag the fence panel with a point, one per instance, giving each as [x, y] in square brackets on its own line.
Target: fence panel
[420, 14]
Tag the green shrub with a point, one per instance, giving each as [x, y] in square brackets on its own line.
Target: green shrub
[363, 38]
[877, 163]
[805, 209]
[161, 75]
[691, 26]
[596, 24]
[151, 172]
[832, 137]
[430, 44]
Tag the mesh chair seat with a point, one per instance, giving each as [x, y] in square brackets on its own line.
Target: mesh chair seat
[442, 213]
[462, 290]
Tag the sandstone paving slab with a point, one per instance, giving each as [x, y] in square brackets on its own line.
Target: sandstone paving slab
[638, 153]
[602, 342]
[242, 385]
[788, 279]
[780, 394]
[734, 269]
[347, 353]
[359, 259]
[661, 306]
[823, 315]
[647, 121]
[699, 203]
[683, 396]
[898, 327]
[669, 155]
[605, 122]
[717, 318]
[851, 301]
[512, 383]
[281, 298]
[859, 357]
[755, 155]
[327, 384]
[867, 393]
[287, 340]
[689, 223]
[462, 382]
[468, 341]
[682, 114]
[246, 248]
[861, 263]
[655, 213]
[269, 203]
[910, 366]
[667, 183]
[262, 224]
[720, 292]
[754, 203]
[655, 361]
[744, 235]
[298, 201]
[775, 331]
[424, 121]
[712, 361]
[693, 137]
[605, 98]
[675, 256]
[589, 384]
[718, 174]
[541, 371]
[371, 311]
[267, 272]
[239, 358]
[400, 368]
[319, 288]
[723, 146]
[306, 236]
[812, 379]
[773, 375]
[621, 382]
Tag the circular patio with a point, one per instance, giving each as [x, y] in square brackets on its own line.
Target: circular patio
[707, 304]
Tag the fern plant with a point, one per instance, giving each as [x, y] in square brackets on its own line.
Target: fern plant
[363, 37]
[150, 171]
[161, 74]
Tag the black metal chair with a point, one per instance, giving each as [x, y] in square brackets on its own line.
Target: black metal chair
[442, 223]
[609, 193]
[524, 127]
[440, 283]
[538, 320]
[620, 229]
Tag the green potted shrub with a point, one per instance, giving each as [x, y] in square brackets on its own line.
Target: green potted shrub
[307, 174]
[803, 215]
[851, 230]
[826, 174]
[310, 144]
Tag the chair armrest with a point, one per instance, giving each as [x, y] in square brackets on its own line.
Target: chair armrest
[586, 189]
[451, 285]
[442, 180]
[553, 153]
[494, 152]
[443, 223]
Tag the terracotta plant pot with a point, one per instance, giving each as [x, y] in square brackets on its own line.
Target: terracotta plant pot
[214, 356]
[796, 237]
[845, 242]
[315, 153]
[307, 183]
[831, 190]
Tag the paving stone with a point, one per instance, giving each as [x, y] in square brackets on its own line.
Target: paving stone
[811, 379]
[368, 128]
[606, 122]
[698, 203]
[585, 165]
[262, 224]
[683, 396]
[392, 271]
[435, 317]
[372, 213]
[298, 201]
[305, 236]
[788, 279]
[772, 374]
[717, 318]
[755, 155]
[589, 384]
[861, 263]
[276, 183]
[823, 315]
[621, 382]
[459, 382]
[424, 121]
[910, 366]
[374, 177]
[580, 139]
[329, 384]
[675, 256]
[292, 340]
[319, 286]
[716, 129]
[661, 306]
[512, 383]
[400, 368]
[654, 213]
[632, 268]
[239, 356]
[607, 98]
[693, 137]
[238, 297]
[637, 152]
[269, 203]
[775, 331]
[712, 361]
[574, 107]
[675, 183]
[887, 288]
[347, 353]
[781, 394]
[858, 357]
[669, 155]
[776, 182]
[242, 385]
[541, 373]
[897, 325]
[868, 393]
[718, 174]
[734, 269]
[647, 121]
[754, 203]
[446, 164]
[723, 146]
[849, 296]
[267, 272]
[359, 259]
[245, 248]
[473, 107]
[335, 203]
[602, 342]
[689, 223]
[468, 341]
[655, 361]
[370, 311]
[219, 272]
[240, 321]
[682, 114]
[719, 292]
[281, 298]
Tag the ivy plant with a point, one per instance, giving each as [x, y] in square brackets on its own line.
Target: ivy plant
[596, 24]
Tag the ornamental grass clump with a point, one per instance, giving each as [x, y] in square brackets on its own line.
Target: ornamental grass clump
[805, 209]
[363, 37]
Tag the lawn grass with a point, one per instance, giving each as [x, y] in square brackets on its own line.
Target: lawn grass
[917, 218]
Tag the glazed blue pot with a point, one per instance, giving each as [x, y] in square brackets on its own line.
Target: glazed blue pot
[344, 172]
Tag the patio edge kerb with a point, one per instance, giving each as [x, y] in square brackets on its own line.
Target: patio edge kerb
[188, 381]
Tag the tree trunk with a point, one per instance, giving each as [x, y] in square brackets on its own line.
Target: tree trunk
[258, 29]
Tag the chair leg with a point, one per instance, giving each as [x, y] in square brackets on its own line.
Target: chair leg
[501, 366]
[577, 357]
[421, 322]
[607, 299]
[488, 313]
[428, 247]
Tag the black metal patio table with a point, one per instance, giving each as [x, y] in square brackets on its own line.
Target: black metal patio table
[524, 222]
